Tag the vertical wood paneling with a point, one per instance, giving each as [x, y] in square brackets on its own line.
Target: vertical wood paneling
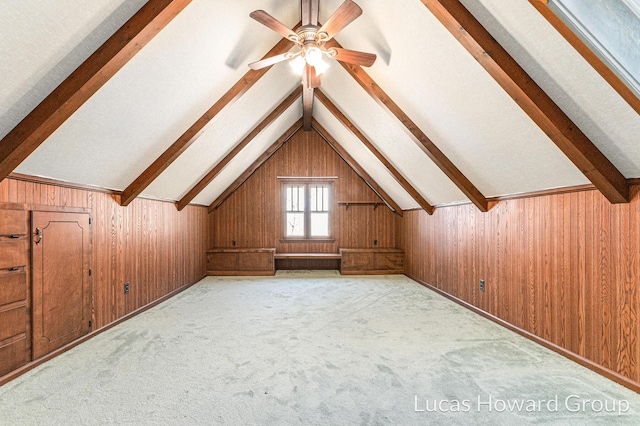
[252, 217]
[149, 243]
[567, 296]
[565, 267]
[618, 251]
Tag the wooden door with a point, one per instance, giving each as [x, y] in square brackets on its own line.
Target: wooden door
[61, 283]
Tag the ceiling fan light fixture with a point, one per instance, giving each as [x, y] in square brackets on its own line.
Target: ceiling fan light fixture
[313, 56]
[321, 66]
[298, 64]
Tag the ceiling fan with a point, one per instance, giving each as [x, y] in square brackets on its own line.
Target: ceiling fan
[310, 39]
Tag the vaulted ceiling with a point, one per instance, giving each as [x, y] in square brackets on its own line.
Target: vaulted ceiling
[461, 104]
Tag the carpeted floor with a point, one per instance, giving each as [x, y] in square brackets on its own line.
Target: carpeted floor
[312, 348]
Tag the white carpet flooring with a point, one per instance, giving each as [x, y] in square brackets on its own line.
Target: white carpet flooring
[312, 348]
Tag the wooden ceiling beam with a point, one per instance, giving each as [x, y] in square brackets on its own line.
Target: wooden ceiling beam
[90, 76]
[357, 168]
[307, 97]
[307, 108]
[394, 172]
[256, 165]
[427, 146]
[580, 150]
[176, 149]
[211, 175]
[605, 72]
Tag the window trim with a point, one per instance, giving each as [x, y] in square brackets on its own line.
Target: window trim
[307, 183]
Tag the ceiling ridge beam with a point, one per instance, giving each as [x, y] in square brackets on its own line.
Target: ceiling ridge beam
[307, 108]
[357, 168]
[176, 149]
[322, 97]
[307, 99]
[422, 140]
[268, 120]
[90, 76]
[580, 150]
[596, 63]
[256, 165]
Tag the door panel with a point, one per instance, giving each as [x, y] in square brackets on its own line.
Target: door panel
[12, 253]
[223, 261]
[13, 323]
[357, 260]
[12, 222]
[61, 284]
[388, 261]
[13, 286]
[255, 261]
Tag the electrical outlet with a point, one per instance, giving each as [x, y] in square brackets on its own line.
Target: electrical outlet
[482, 285]
[126, 287]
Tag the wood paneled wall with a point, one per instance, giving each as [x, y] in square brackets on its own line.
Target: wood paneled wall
[252, 214]
[149, 244]
[563, 267]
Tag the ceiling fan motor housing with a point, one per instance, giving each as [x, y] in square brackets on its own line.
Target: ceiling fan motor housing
[309, 34]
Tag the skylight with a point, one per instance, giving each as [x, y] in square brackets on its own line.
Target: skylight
[611, 29]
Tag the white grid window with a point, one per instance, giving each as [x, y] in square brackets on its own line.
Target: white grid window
[307, 210]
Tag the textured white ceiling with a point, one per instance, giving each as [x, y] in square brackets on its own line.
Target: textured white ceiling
[42, 42]
[223, 133]
[391, 138]
[363, 156]
[164, 89]
[148, 104]
[249, 154]
[611, 124]
[442, 88]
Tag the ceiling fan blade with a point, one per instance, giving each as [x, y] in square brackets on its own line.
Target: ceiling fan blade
[309, 12]
[267, 62]
[265, 19]
[353, 56]
[312, 79]
[346, 13]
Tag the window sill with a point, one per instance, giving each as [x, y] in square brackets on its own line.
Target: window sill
[307, 240]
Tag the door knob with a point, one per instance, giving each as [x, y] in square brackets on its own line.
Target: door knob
[38, 235]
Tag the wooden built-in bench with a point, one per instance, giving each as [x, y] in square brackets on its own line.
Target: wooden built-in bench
[265, 261]
[240, 261]
[307, 256]
[371, 261]
[306, 261]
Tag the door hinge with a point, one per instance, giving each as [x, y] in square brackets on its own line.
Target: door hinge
[89, 323]
[90, 272]
[90, 220]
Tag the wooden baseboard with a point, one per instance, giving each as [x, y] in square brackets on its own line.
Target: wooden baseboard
[240, 273]
[603, 371]
[31, 365]
[373, 272]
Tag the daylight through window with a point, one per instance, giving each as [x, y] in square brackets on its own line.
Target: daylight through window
[307, 212]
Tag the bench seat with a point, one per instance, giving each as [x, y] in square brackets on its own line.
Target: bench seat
[307, 256]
